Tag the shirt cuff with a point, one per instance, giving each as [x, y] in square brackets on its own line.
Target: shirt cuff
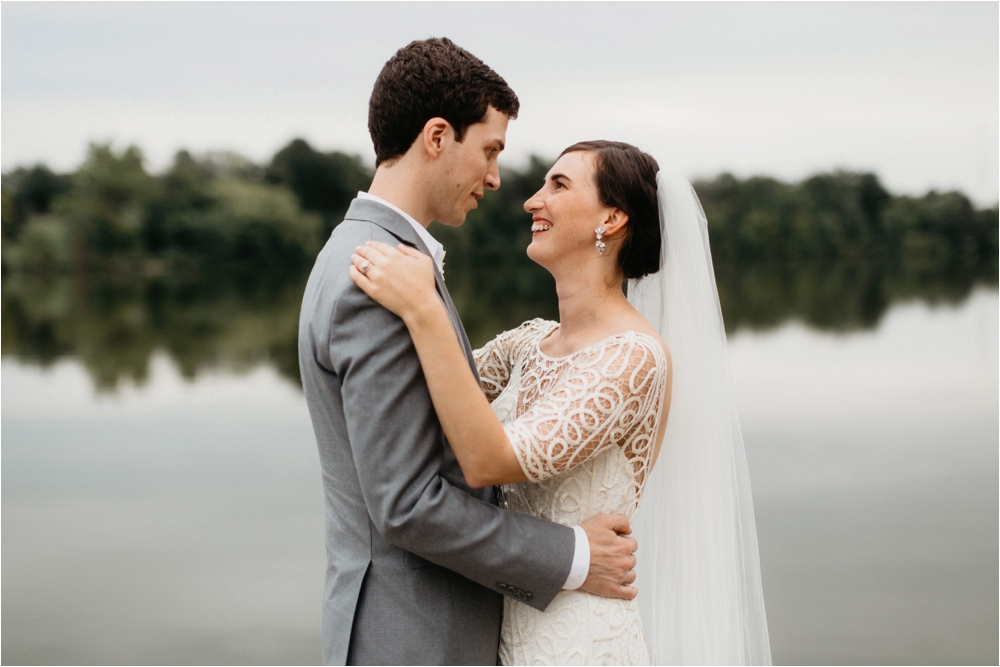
[580, 568]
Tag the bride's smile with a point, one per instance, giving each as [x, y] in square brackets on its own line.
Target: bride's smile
[539, 225]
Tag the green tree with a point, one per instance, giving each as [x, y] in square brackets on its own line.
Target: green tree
[751, 218]
[325, 183]
[845, 210]
[29, 192]
[242, 227]
[183, 188]
[106, 208]
[943, 229]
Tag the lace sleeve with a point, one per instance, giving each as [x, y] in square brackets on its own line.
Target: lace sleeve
[610, 397]
[493, 365]
[494, 360]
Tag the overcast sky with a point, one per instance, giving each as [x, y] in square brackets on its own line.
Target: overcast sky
[907, 90]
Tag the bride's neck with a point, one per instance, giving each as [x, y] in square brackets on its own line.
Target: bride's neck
[586, 307]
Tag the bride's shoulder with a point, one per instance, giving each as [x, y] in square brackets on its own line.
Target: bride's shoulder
[639, 349]
[654, 342]
[531, 330]
[538, 324]
[523, 336]
[647, 334]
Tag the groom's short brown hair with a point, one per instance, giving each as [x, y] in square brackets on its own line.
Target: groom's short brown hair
[432, 78]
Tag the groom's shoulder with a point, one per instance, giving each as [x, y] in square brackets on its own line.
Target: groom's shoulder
[351, 233]
[330, 273]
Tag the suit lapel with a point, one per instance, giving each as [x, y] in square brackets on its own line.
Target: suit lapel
[456, 321]
[399, 227]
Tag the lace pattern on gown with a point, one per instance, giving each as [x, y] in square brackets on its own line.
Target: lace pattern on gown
[583, 428]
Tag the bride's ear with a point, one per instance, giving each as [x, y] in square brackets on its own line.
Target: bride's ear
[615, 223]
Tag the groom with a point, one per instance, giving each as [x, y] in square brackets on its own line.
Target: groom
[418, 561]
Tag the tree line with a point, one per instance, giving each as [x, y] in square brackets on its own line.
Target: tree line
[221, 212]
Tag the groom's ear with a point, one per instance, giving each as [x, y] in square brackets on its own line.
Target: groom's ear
[435, 135]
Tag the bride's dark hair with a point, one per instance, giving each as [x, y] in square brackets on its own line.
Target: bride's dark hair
[626, 179]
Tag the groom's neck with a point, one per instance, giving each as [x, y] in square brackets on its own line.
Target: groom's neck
[401, 185]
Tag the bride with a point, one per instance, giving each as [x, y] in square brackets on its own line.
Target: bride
[572, 417]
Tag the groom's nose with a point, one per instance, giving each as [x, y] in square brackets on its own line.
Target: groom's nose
[492, 180]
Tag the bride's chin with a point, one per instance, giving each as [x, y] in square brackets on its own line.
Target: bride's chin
[536, 254]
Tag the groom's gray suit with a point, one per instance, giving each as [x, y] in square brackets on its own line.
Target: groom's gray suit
[416, 560]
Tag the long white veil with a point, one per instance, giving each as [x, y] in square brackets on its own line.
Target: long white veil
[698, 570]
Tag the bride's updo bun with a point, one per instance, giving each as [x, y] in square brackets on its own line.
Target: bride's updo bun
[626, 179]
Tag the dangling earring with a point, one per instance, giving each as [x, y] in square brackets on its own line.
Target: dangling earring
[600, 244]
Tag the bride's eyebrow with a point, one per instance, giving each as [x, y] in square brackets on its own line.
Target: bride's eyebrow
[556, 177]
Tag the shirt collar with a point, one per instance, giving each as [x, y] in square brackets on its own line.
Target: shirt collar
[435, 248]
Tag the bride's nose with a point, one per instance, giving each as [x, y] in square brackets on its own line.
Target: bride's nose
[533, 204]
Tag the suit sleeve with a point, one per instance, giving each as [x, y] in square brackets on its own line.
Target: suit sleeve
[399, 453]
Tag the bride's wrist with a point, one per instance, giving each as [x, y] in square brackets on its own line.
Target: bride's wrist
[423, 312]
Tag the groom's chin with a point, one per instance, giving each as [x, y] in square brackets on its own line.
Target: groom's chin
[453, 222]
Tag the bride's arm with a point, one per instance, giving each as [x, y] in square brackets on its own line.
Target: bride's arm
[493, 364]
[403, 281]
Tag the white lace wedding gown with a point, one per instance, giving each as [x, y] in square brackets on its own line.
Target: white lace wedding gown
[583, 428]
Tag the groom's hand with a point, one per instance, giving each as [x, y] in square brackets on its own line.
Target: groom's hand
[612, 563]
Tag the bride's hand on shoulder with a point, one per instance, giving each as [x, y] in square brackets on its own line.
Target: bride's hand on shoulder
[401, 279]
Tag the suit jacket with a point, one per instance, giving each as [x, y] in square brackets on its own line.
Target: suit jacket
[417, 561]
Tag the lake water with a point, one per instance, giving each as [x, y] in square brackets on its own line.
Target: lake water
[180, 520]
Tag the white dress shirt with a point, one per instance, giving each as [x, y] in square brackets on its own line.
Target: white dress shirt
[581, 554]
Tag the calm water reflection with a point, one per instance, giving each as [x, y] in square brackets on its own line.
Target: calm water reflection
[179, 521]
